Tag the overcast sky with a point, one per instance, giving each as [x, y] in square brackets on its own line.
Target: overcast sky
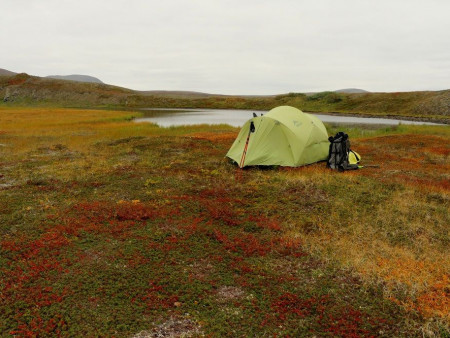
[235, 46]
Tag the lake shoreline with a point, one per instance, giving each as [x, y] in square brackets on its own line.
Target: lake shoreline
[166, 117]
[390, 117]
[331, 113]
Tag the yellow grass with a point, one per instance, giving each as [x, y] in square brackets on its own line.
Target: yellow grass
[414, 269]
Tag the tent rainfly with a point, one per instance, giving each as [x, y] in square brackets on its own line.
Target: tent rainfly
[285, 136]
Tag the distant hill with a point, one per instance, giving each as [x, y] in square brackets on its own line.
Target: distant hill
[351, 91]
[4, 72]
[23, 89]
[76, 77]
[176, 93]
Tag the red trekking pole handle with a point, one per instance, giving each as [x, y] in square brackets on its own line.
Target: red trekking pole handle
[252, 129]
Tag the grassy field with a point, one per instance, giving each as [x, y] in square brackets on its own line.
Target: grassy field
[110, 228]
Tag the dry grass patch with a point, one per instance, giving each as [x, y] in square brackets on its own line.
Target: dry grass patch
[174, 327]
[390, 223]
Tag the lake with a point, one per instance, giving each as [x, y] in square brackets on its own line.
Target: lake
[237, 118]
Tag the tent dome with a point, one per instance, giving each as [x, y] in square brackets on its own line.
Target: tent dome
[284, 136]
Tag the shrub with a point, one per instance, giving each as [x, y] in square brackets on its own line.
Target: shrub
[327, 97]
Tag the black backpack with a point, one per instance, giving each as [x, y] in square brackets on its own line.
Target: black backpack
[338, 153]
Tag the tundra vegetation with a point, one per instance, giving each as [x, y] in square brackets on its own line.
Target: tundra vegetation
[112, 228]
[23, 90]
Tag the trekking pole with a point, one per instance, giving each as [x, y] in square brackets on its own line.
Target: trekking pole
[245, 151]
[252, 129]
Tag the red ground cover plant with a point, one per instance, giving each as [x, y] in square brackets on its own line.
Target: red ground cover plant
[38, 327]
[265, 222]
[338, 320]
[32, 264]
[110, 219]
[290, 303]
[248, 244]
[220, 207]
[157, 297]
[35, 263]
[219, 210]
[345, 324]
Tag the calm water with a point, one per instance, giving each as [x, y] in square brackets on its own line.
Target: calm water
[178, 117]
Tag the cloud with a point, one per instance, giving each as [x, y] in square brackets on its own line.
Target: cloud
[233, 47]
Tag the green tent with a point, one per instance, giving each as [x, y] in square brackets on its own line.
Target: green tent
[284, 136]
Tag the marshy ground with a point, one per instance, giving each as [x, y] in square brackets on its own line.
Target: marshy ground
[120, 229]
